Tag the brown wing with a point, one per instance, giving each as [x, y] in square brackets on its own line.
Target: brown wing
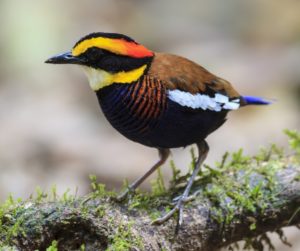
[180, 73]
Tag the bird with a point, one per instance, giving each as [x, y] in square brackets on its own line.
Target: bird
[159, 100]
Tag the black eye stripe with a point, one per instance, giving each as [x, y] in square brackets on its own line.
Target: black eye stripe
[93, 53]
[108, 61]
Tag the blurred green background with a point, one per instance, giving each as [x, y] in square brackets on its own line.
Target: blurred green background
[51, 129]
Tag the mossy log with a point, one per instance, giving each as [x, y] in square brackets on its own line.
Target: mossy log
[239, 199]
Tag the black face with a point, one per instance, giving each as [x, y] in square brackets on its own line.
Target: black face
[110, 62]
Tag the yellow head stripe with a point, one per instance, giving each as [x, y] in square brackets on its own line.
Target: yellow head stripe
[109, 44]
[100, 78]
[117, 46]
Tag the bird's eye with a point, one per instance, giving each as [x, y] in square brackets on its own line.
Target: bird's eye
[94, 53]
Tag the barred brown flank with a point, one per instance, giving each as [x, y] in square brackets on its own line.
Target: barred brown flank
[163, 96]
[159, 96]
[144, 97]
[155, 108]
[134, 92]
[154, 102]
[148, 99]
[142, 104]
[139, 97]
[130, 97]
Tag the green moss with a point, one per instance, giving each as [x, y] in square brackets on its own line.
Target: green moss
[241, 184]
[39, 195]
[175, 173]
[53, 246]
[294, 140]
[100, 210]
[8, 248]
[253, 226]
[10, 223]
[234, 187]
[53, 192]
[14, 213]
[82, 247]
[124, 239]
[193, 159]
[99, 189]
[67, 197]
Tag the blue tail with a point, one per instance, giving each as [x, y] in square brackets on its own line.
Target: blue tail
[250, 100]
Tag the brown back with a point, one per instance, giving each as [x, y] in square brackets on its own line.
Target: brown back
[180, 73]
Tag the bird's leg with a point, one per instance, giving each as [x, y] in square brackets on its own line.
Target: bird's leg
[203, 150]
[163, 154]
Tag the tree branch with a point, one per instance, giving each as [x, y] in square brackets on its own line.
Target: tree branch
[240, 199]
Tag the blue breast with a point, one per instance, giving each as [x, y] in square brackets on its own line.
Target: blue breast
[177, 126]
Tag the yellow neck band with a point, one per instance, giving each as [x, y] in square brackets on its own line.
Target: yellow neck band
[100, 78]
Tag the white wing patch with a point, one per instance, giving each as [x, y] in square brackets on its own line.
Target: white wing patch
[217, 103]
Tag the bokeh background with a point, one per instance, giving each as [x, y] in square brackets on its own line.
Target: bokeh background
[51, 128]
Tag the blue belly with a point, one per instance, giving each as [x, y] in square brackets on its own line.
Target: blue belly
[182, 126]
[177, 126]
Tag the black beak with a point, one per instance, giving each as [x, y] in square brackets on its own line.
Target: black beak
[64, 58]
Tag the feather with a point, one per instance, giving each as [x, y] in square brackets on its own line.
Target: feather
[250, 100]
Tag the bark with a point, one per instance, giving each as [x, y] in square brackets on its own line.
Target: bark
[99, 223]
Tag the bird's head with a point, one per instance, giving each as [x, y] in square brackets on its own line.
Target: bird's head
[107, 58]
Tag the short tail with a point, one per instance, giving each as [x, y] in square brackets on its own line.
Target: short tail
[250, 100]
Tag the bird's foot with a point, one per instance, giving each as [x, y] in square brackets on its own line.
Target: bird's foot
[177, 208]
[185, 199]
[127, 194]
[179, 202]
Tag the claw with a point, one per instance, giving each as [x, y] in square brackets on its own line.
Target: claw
[124, 195]
[186, 199]
[174, 200]
[167, 216]
[178, 208]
